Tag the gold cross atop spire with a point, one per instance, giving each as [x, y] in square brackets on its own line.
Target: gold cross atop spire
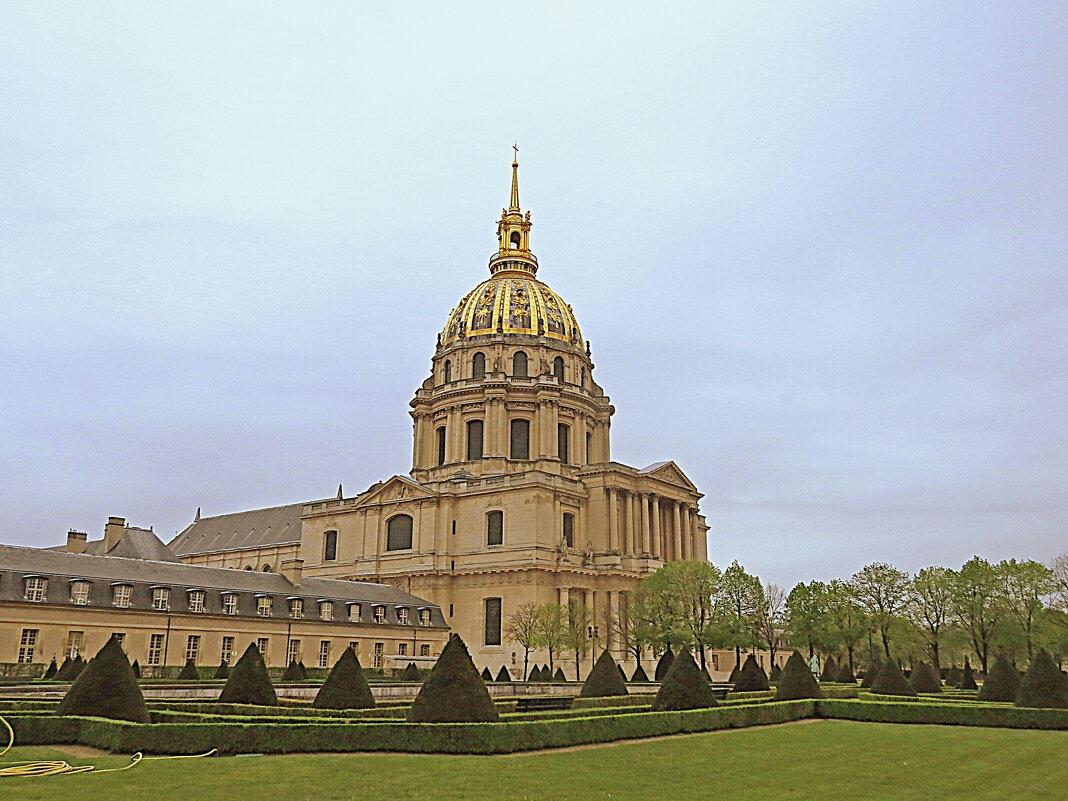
[514, 204]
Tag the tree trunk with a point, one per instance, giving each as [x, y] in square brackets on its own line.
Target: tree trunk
[849, 650]
[886, 643]
[526, 663]
[935, 658]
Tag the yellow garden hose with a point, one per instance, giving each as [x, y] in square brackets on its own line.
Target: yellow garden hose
[59, 767]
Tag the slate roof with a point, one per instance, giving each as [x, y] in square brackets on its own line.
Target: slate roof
[277, 525]
[136, 543]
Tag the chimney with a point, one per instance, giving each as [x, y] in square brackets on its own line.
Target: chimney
[293, 569]
[76, 541]
[113, 532]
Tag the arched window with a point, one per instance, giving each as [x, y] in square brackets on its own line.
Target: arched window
[248, 567]
[520, 431]
[494, 528]
[441, 445]
[519, 364]
[569, 529]
[399, 533]
[589, 445]
[478, 365]
[515, 240]
[447, 372]
[558, 368]
[474, 440]
[563, 439]
[330, 546]
[266, 568]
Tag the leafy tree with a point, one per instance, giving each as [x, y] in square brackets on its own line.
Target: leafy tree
[1026, 586]
[930, 596]
[522, 629]
[551, 630]
[882, 590]
[806, 612]
[739, 599]
[770, 618]
[977, 604]
[846, 621]
[627, 628]
[579, 634]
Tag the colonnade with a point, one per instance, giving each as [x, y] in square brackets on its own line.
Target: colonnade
[651, 524]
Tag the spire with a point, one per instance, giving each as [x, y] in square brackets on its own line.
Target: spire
[340, 495]
[197, 518]
[514, 203]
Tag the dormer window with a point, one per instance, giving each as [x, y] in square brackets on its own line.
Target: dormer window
[424, 617]
[122, 595]
[161, 599]
[402, 615]
[79, 593]
[326, 610]
[379, 613]
[263, 605]
[354, 613]
[229, 603]
[196, 600]
[35, 589]
[296, 608]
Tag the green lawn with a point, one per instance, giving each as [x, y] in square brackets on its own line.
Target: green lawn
[825, 760]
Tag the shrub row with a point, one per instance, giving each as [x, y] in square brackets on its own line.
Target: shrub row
[975, 714]
[466, 738]
[637, 699]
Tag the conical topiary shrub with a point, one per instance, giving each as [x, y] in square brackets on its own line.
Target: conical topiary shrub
[303, 670]
[797, 680]
[410, 673]
[622, 673]
[776, 673]
[871, 674]
[106, 689]
[248, 682]
[77, 665]
[604, 680]
[292, 672]
[684, 687]
[503, 674]
[663, 665]
[535, 672]
[751, 677]
[830, 670]
[1002, 682]
[345, 687]
[63, 674]
[136, 669]
[845, 673]
[453, 692]
[953, 676]
[639, 674]
[924, 680]
[559, 675]
[734, 673]
[222, 671]
[486, 675]
[189, 671]
[1044, 685]
[51, 670]
[891, 681]
[967, 677]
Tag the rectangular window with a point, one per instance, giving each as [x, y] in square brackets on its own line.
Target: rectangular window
[120, 638]
[121, 595]
[424, 617]
[563, 440]
[569, 529]
[263, 644]
[380, 614]
[494, 527]
[27, 644]
[263, 606]
[161, 599]
[296, 608]
[229, 600]
[192, 647]
[227, 651]
[493, 621]
[155, 649]
[35, 589]
[424, 649]
[402, 615]
[402, 649]
[441, 445]
[354, 613]
[355, 646]
[326, 610]
[79, 593]
[293, 651]
[589, 447]
[324, 653]
[474, 440]
[196, 601]
[330, 546]
[520, 436]
[376, 660]
[75, 642]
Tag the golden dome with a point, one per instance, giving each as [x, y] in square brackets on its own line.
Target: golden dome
[512, 303]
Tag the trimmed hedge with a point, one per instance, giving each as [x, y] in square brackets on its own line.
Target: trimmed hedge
[345, 687]
[830, 670]
[221, 672]
[871, 673]
[502, 674]
[685, 687]
[248, 682]
[924, 679]
[453, 692]
[967, 678]
[1044, 685]
[639, 674]
[189, 671]
[559, 675]
[845, 674]
[751, 677]
[891, 681]
[604, 680]
[1002, 682]
[293, 672]
[975, 714]
[797, 680]
[663, 665]
[776, 673]
[106, 688]
[51, 670]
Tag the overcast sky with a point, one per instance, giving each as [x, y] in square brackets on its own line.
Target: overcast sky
[818, 248]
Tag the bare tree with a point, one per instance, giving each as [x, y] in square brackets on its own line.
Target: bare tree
[1059, 566]
[522, 628]
[552, 629]
[771, 617]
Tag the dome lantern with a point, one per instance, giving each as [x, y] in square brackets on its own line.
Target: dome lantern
[513, 235]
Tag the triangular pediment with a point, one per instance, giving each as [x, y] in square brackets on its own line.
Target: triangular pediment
[397, 490]
[669, 472]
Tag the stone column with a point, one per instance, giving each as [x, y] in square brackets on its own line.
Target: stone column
[658, 542]
[676, 530]
[563, 593]
[418, 432]
[613, 520]
[687, 533]
[453, 437]
[646, 541]
[628, 522]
